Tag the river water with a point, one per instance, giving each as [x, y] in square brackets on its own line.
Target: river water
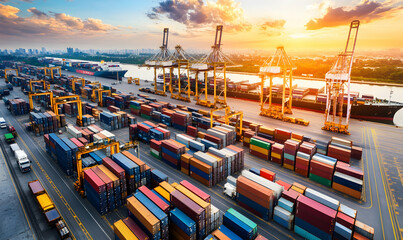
[382, 92]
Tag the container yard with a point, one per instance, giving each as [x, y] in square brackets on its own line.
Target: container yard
[175, 188]
[186, 156]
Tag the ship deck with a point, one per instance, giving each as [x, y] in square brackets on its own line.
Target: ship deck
[381, 162]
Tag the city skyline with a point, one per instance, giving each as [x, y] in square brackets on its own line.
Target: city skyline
[299, 26]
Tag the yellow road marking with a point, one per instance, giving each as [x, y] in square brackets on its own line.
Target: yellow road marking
[376, 187]
[18, 195]
[368, 175]
[392, 217]
[106, 220]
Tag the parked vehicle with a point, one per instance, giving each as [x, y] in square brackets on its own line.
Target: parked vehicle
[22, 160]
[229, 190]
[9, 138]
[2, 123]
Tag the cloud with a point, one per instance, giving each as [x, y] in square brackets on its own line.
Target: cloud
[28, 1]
[200, 14]
[366, 11]
[43, 24]
[273, 27]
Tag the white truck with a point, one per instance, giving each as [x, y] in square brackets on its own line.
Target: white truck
[230, 187]
[22, 159]
[2, 123]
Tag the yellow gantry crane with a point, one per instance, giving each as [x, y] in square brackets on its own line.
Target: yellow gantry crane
[216, 62]
[52, 73]
[31, 95]
[227, 116]
[9, 69]
[131, 79]
[100, 96]
[79, 184]
[338, 81]
[68, 99]
[45, 86]
[182, 62]
[73, 83]
[280, 65]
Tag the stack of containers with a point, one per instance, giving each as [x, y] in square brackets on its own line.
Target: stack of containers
[121, 174]
[117, 191]
[205, 205]
[246, 137]
[340, 152]
[260, 147]
[266, 132]
[146, 111]
[181, 226]
[304, 155]
[74, 150]
[348, 180]
[157, 177]
[321, 146]
[165, 119]
[159, 134]
[95, 190]
[142, 180]
[109, 121]
[201, 171]
[73, 131]
[356, 152]
[238, 223]
[322, 169]
[135, 107]
[132, 171]
[171, 152]
[281, 135]
[225, 133]
[211, 141]
[144, 218]
[193, 210]
[224, 233]
[133, 132]
[314, 220]
[290, 152]
[18, 106]
[254, 194]
[191, 131]
[284, 212]
[156, 211]
[143, 131]
[180, 120]
[110, 196]
[62, 153]
[277, 153]
[213, 162]
[155, 148]
[185, 161]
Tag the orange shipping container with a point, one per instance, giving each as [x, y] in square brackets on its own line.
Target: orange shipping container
[122, 231]
[143, 215]
[137, 161]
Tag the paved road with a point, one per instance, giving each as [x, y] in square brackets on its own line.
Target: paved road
[383, 184]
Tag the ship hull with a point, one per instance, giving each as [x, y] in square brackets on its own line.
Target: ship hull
[375, 113]
[104, 74]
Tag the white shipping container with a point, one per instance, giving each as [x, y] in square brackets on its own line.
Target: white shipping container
[324, 160]
[73, 131]
[205, 158]
[93, 129]
[277, 189]
[108, 134]
[97, 139]
[231, 180]
[219, 135]
[322, 198]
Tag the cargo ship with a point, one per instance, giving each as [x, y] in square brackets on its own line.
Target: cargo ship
[103, 69]
[364, 107]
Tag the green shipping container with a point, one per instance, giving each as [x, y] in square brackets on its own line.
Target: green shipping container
[244, 219]
[145, 116]
[260, 143]
[155, 155]
[320, 180]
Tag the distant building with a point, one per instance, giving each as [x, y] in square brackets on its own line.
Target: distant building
[70, 51]
[43, 51]
[77, 50]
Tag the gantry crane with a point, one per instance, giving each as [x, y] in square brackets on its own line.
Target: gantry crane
[182, 62]
[216, 62]
[31, 103]
[9, 69]
[51, 72]
[100, 96]
[161, 60]
[68, 99]
[280, 65]
[73, 83]
[131, 79]
[79, 184]
[228, 115]
[45, 86]
[337, 81]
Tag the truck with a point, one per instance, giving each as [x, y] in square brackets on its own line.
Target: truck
[22, 160]
[46, 204]
[229, 190]
[2, 123]
[9, 137]
[12, 130]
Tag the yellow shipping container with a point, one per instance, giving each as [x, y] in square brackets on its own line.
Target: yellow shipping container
[259, 149]
[167, 187]
[297, 189]
[122, 231]
[276, 155]
[45, 202]
[247, 140]
[110, 174]
[164, 193]
[266, 130]
[143, 215]
[288, 166]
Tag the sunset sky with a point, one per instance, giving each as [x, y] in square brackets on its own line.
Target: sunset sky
[305, 25]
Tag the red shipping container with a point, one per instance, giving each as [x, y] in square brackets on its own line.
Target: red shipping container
[150, 124]
[97, 184]
[192, 131]
[83, 141]
[316, 214]
[108, 182]
[356, 152]
[346, 169]
[259, 155]
[339, 153]
[154, 198]
[345, 220]
[268, 174]
[254, 191]
[291, 195]
[114, 167]
[196, 191]
[284, 184]
[143, 127]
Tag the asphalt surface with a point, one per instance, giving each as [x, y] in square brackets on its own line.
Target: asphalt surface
[381, 162]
